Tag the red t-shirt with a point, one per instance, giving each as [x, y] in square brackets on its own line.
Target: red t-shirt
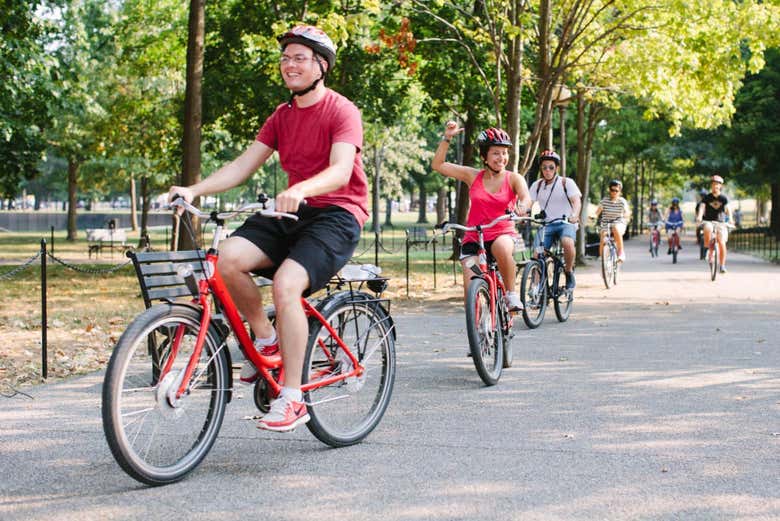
[303, 137]
[486, 206]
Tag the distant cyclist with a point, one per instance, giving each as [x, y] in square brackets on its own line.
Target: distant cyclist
[614, 208]
[654, 214]
[558, 196]
[674, 222]
[492, 191]
[714, 212]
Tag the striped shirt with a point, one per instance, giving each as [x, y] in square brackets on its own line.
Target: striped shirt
[614, 210]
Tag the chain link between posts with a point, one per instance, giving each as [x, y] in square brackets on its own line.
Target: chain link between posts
[10, 274]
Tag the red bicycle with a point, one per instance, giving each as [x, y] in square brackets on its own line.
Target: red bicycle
[655, 238]
[488, 320]
[169, 378]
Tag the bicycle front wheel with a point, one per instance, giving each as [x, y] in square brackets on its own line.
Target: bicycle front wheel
[533, 291]
[608, 266]
[564, 298]
[154, 436]
[485, 340]
[346, 411]
[713, 260]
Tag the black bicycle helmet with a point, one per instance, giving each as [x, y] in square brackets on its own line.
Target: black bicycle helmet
[551, 156]
[616, 182]
[492, 137]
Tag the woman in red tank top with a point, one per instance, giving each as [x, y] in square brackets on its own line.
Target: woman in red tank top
[492, 191]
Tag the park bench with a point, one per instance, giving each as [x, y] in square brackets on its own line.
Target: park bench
[158, 277]
[99, 239]
[417, 235]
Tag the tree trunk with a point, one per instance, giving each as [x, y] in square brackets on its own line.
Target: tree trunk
[378, 153]
[421, 216]
[545, 21]
[192, 111]
[441, 205]
[581, 176]
[388, 212]
[133, 204]
[514, 76]
[144, 205]
[73, 171]
[635, 198]
[774, 218]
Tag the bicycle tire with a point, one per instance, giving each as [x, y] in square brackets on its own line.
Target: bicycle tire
[533, 291]
[485, 341]
[616, 265]
[505, 323]
[674, 254]
[156, 439]
[713, 261]
[563, 299]
[607, 266]
[345, 412]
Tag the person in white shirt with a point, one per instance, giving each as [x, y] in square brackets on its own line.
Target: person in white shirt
[614, 209]
[558, 197]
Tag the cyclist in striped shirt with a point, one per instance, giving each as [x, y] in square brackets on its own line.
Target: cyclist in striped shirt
[614, 208]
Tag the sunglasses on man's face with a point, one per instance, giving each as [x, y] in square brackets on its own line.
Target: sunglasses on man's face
[548, 167]
[614, 190]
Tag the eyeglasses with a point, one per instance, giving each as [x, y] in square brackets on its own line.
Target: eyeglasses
[298, 59]
[549, 167]
[614, 190]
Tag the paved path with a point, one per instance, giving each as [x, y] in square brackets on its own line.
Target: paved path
[658, 400]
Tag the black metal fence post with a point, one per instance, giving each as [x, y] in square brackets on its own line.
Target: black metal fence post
[44, 321]
[407, 264]
[434, 262]
[52, 240]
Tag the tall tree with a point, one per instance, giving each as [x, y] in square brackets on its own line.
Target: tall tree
[754, 138]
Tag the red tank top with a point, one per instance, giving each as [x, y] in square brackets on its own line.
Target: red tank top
[486, 206]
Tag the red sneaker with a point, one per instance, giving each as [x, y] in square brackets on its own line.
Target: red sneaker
[285, 415]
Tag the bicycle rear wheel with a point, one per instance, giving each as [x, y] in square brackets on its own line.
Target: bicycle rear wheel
[608, 266]
[533, 291]
[485, 341]
[155, 437]
[345, 412]
[563, 298]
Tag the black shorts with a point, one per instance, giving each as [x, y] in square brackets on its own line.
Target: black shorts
[322, 241]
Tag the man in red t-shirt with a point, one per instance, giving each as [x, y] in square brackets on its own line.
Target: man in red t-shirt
[318, 134]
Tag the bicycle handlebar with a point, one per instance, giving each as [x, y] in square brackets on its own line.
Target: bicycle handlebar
[251, 207]
[447, 226]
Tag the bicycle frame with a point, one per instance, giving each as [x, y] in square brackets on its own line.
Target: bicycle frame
[487, 271]
[213, 284]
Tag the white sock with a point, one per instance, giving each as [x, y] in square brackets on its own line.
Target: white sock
[262, 342]
[291, 393]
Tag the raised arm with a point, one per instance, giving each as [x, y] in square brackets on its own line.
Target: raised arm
[445, 168]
